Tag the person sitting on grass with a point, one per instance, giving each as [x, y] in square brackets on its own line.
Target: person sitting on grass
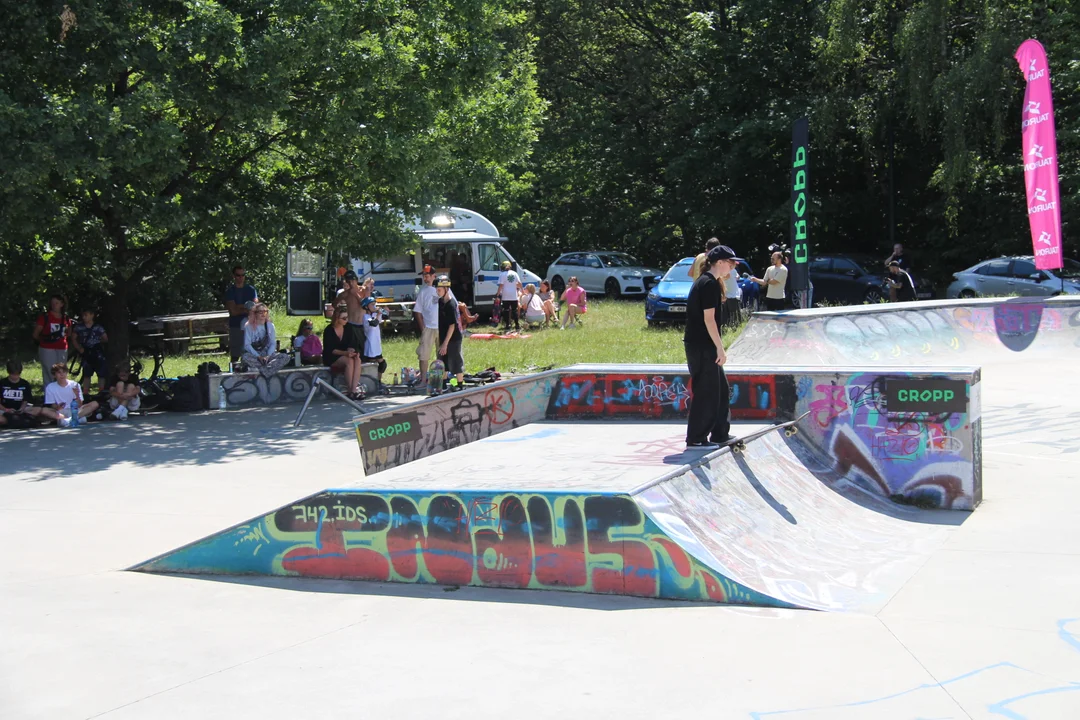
[260, 343]
[87, 338]
[550, 301]
[307, 342]
[61, 392]
[15, 396]
[532, 307]
[373, 319]
[576, 303]
[338, 355]
[124, 394]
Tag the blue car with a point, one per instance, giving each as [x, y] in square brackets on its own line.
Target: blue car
[666, 302]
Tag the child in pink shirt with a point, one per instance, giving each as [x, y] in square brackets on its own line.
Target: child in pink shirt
[575, 299]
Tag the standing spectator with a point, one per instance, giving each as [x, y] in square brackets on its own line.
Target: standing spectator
[338, 356]
[373, 318]
[575, 299]
[449, 332]
[239, 299]
[901, 286]
[260, 343]
[16, 395]
[708, 423]
[773, 282]
[353, 294]
[426, 312]
[901, 261]
[51, 332]
[87, 338]
[509, 287]
[124, 394]
[60, 393]
[732, 307]
[698, 265]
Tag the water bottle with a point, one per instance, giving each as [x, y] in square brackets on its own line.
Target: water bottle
[221, 398]
[74, 423]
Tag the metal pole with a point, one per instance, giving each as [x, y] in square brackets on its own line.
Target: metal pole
[319, 382]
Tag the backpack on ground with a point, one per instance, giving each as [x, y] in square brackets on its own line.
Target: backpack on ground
[189, 394]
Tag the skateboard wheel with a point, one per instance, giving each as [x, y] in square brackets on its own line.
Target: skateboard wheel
[738, 447]
[790, 431]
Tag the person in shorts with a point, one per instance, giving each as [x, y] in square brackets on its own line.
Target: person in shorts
[774, 281]
[87, 339]
[60, 394]
[16, 396]
[51, 331]
[576, 300]
[426, 313]
[373, 318]
[509, 288]
[449, 332]
[123, 394]
[239, 299]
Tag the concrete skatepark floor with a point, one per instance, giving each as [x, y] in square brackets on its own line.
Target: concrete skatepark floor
[985, 627]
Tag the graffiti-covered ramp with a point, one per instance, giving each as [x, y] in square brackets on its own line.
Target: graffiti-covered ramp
[611, 507]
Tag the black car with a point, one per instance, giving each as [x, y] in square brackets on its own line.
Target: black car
[854, 279]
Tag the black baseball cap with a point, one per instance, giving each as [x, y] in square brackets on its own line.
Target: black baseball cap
[721, 252]
[350, 275]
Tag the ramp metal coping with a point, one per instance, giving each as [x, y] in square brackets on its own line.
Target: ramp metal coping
[801, 313]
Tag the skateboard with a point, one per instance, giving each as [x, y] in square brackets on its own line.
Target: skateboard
[790, 428]
[436, 376]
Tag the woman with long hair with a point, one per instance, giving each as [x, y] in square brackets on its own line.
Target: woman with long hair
[260, 343]
[337, 355]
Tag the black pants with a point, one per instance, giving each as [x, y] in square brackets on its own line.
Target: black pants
[774, 304]
[709, 416]
[731, 311]
[508, 308]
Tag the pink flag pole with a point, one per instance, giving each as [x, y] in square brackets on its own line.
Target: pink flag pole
[1040, 157]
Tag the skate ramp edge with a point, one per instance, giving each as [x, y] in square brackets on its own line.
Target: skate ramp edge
[940, 332]
[921, 446]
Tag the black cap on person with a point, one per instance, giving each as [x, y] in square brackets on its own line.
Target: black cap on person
[721, 252]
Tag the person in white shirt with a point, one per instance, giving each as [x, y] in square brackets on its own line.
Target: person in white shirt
[509, 287]
[732, 308]
[426, 313]
[373, 318]
[60, 393]
[773, 282]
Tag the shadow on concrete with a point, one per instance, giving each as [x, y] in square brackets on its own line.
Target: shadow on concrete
[766, 496]
[552, 598]
[163, 439]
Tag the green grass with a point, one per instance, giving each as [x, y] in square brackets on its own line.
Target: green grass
[614, 332]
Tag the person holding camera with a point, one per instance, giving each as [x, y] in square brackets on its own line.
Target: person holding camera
[51, 331]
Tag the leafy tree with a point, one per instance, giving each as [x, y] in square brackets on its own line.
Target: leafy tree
[140, 139]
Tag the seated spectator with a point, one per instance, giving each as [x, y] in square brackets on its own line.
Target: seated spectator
[124, 394]
[16, 409]
[60, 394]
[532, 307]
[575, 298]
[260, 343]
[338, 356]
[550, 301]
[88, 338]
[373, 319]
[307, 342]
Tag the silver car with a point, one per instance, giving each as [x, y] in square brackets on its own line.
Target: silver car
[612, 273]
[1015, 276]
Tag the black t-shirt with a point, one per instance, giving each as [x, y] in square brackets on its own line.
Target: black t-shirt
[704, 298]
[131, 380]
[906, 291]
[331, 342]
[14, 394]
[448, 318]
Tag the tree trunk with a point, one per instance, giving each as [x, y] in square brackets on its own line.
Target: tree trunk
[114, 318]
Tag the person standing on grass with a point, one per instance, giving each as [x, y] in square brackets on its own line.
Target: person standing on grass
[575, 299]
[773, 282]
[426, 313]
[239, 299]
[87, 337]
[732, 307]
[16, 395]
[699, 261]
[51, 331]
[901, 286]
[508, 290]
[449, 332]
[708, 424]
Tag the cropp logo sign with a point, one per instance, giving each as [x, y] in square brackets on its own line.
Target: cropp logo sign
[393, 430]
[932, 396]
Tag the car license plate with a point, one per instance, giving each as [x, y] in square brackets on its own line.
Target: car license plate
[677, 308]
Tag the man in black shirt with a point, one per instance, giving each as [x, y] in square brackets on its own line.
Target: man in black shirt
[901, 286]
[449, 332]
[15, 397]
[708, 424]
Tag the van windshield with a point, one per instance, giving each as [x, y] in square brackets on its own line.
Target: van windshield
[398, 263]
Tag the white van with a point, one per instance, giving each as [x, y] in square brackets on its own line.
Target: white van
[461, 243]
